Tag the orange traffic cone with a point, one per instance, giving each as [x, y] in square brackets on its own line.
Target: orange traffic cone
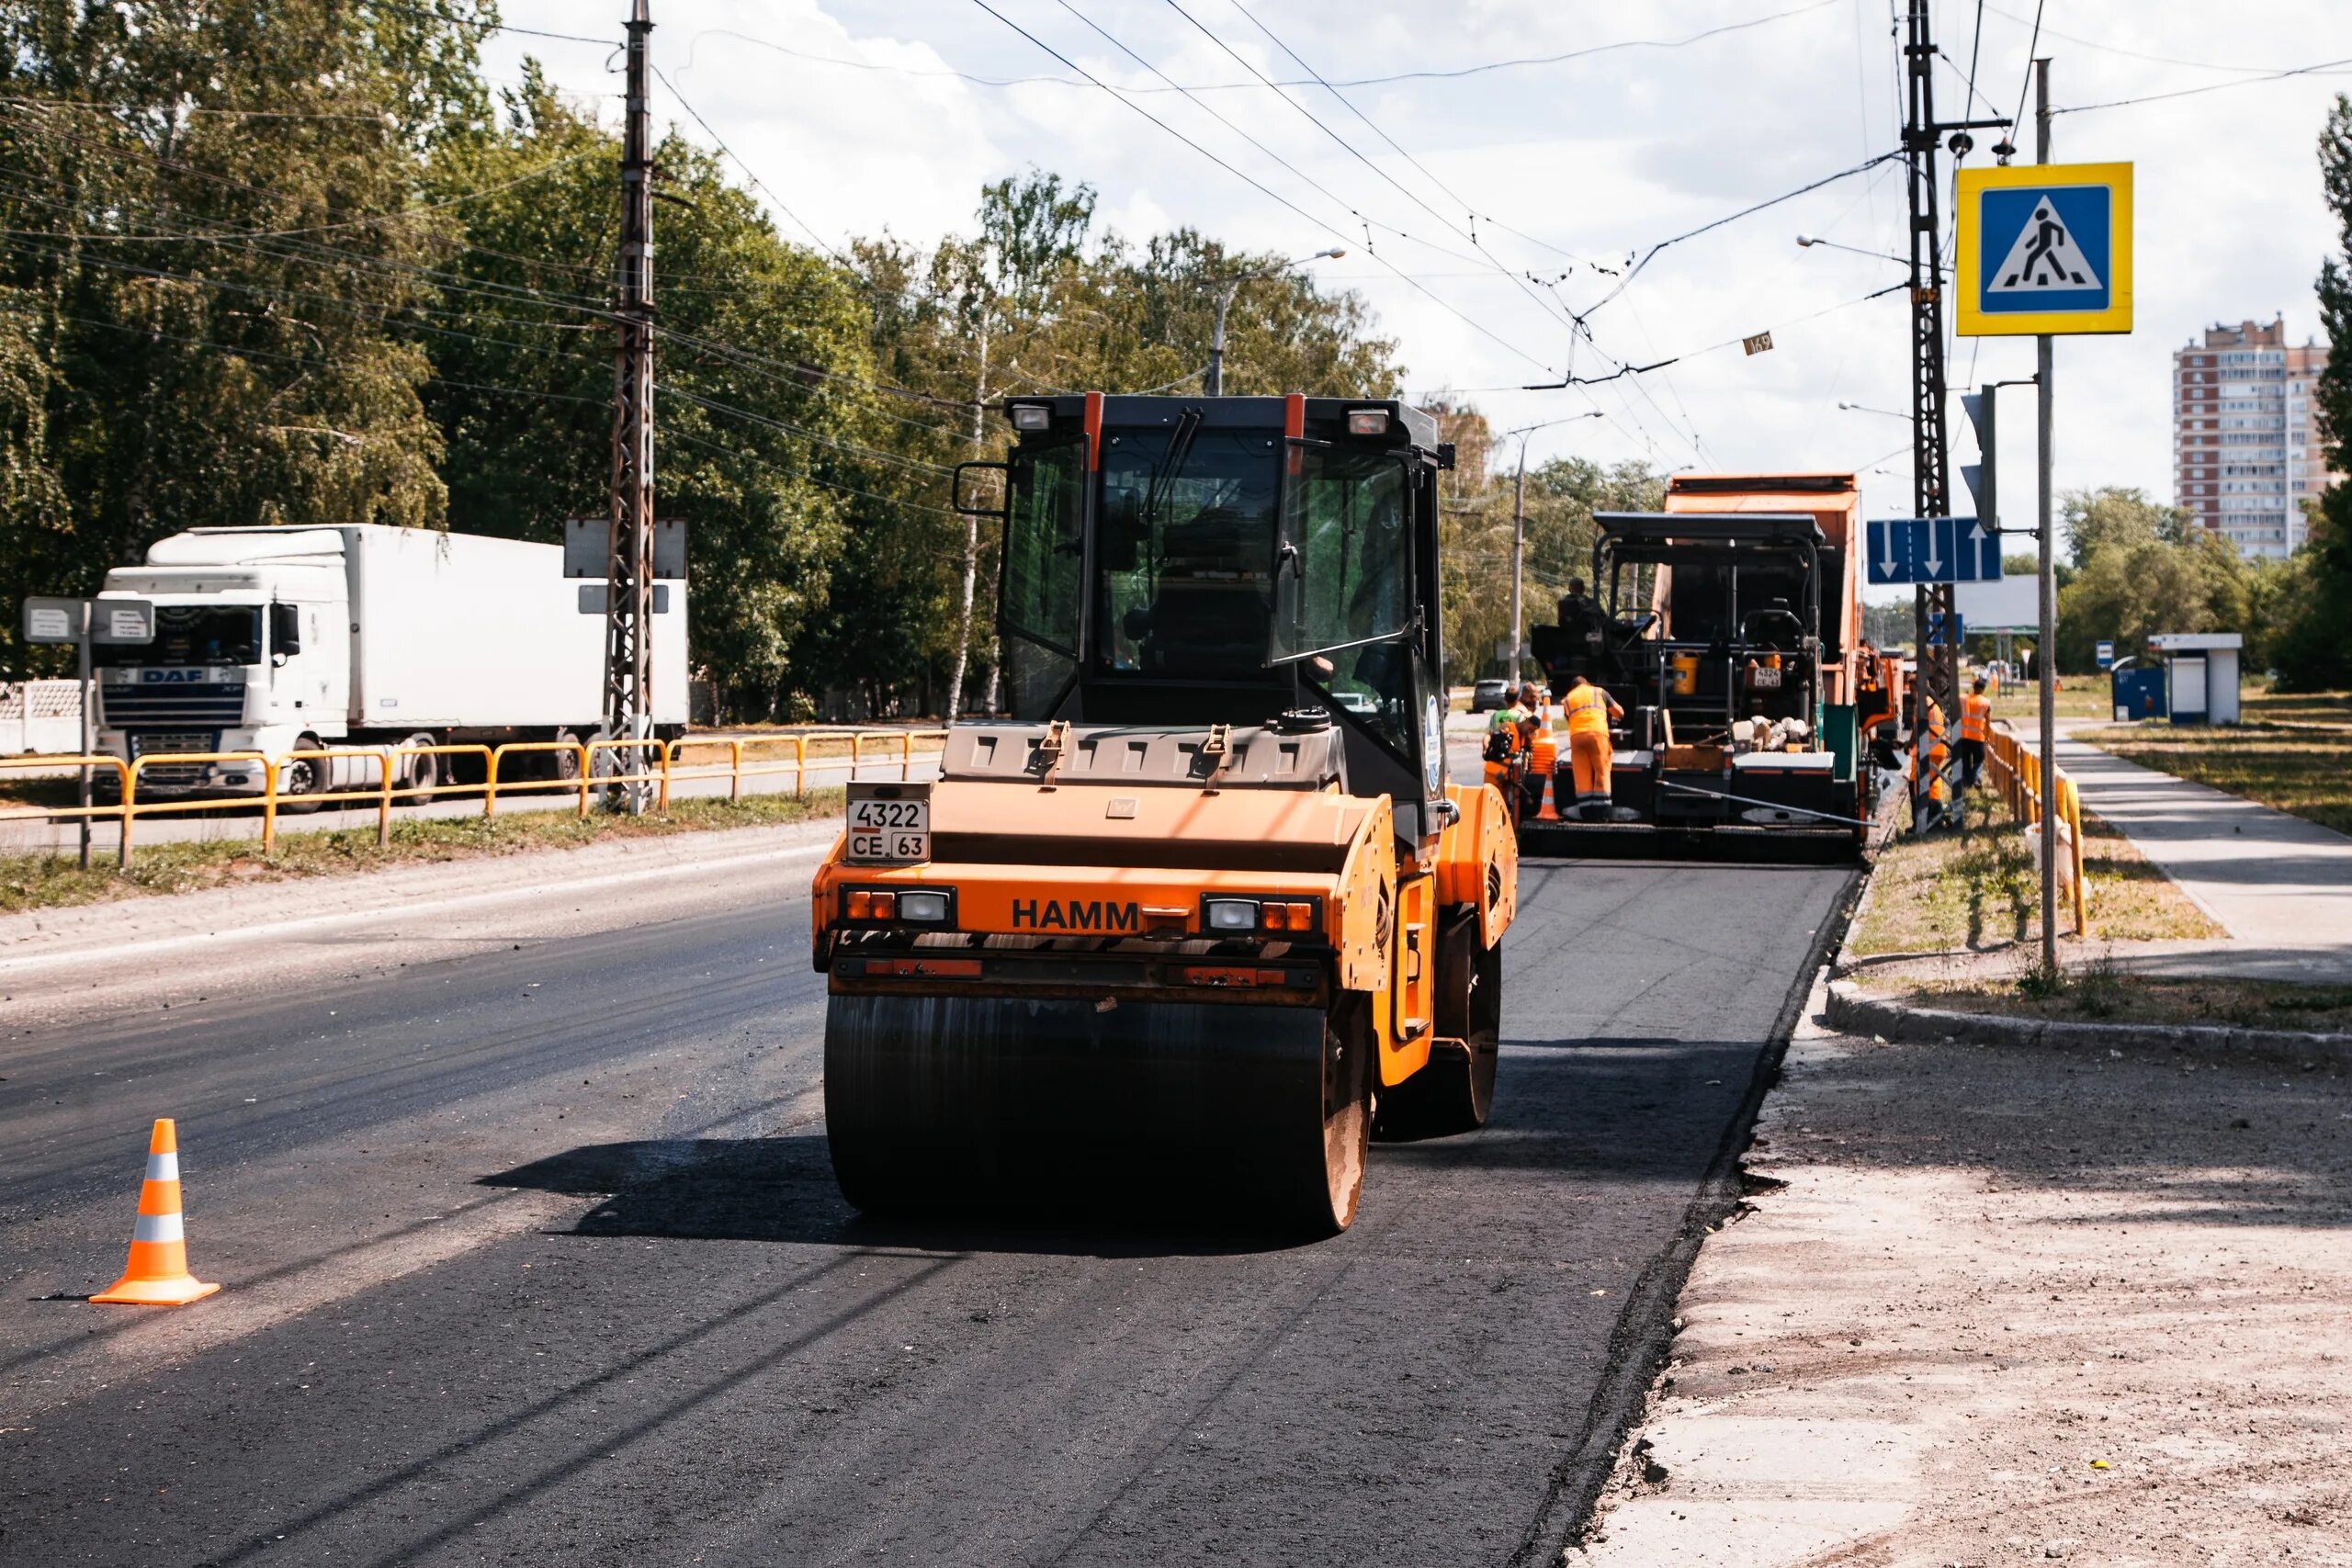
[157, 1273]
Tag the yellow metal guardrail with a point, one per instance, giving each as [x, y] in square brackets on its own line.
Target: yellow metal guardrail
[594, 766]
[2017, 773]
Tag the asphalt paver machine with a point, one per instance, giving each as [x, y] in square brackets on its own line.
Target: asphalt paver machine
[1730, 637]
[1204, 913]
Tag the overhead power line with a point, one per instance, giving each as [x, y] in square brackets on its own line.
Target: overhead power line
[2325, 65]
[1454, 74]
[1650, 255]
[1253, 182]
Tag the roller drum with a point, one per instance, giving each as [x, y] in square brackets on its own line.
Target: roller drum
[941, 1103]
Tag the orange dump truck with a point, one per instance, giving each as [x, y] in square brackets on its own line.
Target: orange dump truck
[1730, 625]
[1205, 913]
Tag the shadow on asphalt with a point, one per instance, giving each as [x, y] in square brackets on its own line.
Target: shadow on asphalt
[782, 1189]
[1574, 1110]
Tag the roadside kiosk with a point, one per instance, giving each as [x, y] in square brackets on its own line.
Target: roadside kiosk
[2200, 675]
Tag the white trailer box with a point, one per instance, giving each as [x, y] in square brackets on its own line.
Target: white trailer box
[457, 631]
[272, 639]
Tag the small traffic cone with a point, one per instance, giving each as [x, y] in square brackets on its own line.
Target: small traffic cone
[157, 1273]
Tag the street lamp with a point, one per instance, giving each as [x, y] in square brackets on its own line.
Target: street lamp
[1228, 289]
[1811, 240]
[1519, 532]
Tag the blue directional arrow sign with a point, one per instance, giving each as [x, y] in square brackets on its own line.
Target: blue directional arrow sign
[1889, 541]
[1943, 635]
[1932, 549]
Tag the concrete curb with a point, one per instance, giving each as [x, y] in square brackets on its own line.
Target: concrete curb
[1852, 1011]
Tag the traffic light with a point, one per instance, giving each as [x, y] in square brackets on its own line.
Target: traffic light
[1979, 474]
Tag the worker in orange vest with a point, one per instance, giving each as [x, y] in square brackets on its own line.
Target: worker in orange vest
[1975, 729]
[1588, 711]
[1543, 750]
[1510, 738]
[1930, 794]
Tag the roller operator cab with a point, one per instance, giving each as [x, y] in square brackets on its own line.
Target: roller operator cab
[1205, 912]
[1727, 630]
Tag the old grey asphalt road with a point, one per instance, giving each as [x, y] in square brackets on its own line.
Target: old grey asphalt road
[531, 1254]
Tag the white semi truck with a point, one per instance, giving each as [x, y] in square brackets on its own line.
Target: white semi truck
[294, 638]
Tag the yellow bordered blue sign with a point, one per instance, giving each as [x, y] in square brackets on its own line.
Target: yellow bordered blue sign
[2043, 248]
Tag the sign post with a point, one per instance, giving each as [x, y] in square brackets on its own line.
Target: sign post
[82, 622]
[2043, 249]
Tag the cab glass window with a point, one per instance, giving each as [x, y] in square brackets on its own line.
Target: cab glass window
[1185, 552]
[1347, 521]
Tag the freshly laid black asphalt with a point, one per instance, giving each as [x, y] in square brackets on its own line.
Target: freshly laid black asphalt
[691, 1350]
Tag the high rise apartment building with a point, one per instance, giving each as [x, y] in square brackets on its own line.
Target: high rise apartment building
[2246, 447]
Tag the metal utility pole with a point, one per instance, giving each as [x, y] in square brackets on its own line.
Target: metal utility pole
[1518, 564]
[1213, 384]
[1938, 668]
[2045, 665]
[629, 611]
[89, 722]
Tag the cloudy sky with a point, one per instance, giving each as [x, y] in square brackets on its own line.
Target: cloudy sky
[860, 116]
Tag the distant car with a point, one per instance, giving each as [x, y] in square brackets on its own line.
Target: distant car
[1356, 702]
[1488, 697]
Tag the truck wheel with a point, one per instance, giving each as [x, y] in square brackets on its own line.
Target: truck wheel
[563, 766]
[303, 776]
[1455, 1092]
[423, 772]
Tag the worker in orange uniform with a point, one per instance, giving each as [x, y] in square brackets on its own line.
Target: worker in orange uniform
[1930, 794]
[1975, 729]
[1588, 711]
[1543, 750]
[1508, 734]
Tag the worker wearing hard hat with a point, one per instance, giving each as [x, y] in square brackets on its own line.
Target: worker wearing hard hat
[1588, 711]
[1975, 729]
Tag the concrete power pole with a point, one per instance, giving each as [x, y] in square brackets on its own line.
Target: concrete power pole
[1518, 563]
[2045, 666]
[964, 625]
[629, 609]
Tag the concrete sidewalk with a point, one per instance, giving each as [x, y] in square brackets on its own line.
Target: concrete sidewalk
[2279, 886]
[1995, 1304]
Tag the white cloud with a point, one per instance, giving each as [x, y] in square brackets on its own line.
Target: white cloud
[1596, 155]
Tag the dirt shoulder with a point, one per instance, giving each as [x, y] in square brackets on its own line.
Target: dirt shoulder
[177, 866]
[1992, 1305]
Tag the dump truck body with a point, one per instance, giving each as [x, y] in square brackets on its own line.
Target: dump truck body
[1206, 909]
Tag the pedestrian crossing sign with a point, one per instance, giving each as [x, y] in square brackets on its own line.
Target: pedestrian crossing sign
[2044, 248]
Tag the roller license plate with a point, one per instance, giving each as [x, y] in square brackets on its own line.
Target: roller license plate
[1765, 678]
[890, 824]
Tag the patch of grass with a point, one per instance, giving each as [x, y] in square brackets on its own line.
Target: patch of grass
[2100, 993]
[2082, 696]
[2291, 753]
[1977, 888]
[54, 881]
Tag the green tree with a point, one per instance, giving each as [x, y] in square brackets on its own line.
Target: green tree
[2141, 568]
[2311, 650]
[213, 225]
[767, 437]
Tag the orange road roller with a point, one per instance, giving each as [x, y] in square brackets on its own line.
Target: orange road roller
[1203, 914]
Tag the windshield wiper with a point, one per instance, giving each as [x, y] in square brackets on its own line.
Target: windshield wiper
[1171, 462]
